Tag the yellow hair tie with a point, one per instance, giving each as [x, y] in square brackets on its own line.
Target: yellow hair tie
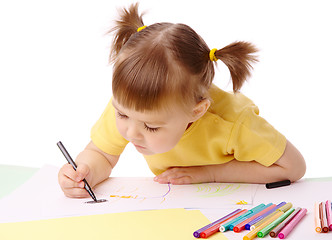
[213, 57]
[140, 28]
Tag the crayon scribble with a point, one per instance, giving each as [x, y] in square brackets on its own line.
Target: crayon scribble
[242, 202]
[163, 197]
[119, 196]
[218, 190]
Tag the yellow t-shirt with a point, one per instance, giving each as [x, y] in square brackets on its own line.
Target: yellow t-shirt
[231, 129]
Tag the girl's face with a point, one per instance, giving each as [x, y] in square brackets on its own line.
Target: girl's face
[151, 132]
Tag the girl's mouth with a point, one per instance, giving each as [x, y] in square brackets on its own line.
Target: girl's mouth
[138, 146]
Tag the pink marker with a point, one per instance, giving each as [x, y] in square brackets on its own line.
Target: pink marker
[291, 225]
[329, 214]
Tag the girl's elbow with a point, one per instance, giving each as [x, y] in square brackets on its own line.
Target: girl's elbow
[293, 163]
[298, 170]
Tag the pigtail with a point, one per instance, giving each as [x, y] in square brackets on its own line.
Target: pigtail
[237, 57]
[125, 27]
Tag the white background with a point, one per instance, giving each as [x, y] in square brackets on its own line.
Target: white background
[55, 79]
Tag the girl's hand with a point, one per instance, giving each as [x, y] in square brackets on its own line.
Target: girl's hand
[71, 181]
[186, 175]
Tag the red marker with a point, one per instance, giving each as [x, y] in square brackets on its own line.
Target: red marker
[323, 219]
[241, 226]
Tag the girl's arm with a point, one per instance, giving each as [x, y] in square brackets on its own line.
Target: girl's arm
[92, 164]
[290, 166]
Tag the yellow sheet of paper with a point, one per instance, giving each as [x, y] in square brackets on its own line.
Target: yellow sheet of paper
[155, 224]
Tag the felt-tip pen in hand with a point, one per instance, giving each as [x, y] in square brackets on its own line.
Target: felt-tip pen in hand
[73, 164]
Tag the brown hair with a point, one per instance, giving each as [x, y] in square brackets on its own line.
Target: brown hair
[168, 61]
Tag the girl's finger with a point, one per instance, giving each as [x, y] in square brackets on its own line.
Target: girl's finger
[77, 193]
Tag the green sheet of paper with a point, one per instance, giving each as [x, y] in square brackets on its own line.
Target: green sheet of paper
[155, 224]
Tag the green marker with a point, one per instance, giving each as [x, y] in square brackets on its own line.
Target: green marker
[275, 223]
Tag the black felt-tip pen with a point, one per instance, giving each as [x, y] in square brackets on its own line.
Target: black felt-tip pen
[73, 164]
[278, 184]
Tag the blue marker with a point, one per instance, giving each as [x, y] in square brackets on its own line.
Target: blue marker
[226, 226]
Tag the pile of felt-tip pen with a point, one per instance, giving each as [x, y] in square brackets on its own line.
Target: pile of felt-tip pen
[277, 220]
[323, 217]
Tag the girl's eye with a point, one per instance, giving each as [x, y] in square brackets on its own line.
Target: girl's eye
[120, 115]
[150, 129]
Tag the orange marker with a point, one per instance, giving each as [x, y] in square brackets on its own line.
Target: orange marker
[318, 226]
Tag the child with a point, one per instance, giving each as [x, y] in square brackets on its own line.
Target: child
[188, 130]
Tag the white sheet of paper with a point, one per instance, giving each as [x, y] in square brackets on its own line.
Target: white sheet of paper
[132, 194]
[41, 197]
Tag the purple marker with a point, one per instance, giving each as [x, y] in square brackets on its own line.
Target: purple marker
[249, 224]
[198, 232]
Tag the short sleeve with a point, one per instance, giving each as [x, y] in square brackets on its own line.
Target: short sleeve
[105, 135]
[253, 138]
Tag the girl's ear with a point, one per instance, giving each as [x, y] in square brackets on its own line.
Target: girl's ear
[200, 109]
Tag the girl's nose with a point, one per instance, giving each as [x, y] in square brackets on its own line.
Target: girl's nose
[133, 132]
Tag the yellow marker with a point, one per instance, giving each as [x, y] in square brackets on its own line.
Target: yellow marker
[242, 202]
[252, 234]
[285, 208]
[256, 225]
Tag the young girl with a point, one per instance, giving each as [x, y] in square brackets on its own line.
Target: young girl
[188, 130]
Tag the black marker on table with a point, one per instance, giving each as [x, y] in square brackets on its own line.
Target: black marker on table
[278, 184]
[73, 164]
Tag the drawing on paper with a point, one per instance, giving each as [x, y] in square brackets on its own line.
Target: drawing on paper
[136, 193]
[218, 190]
[145, 190]
[222, 190]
